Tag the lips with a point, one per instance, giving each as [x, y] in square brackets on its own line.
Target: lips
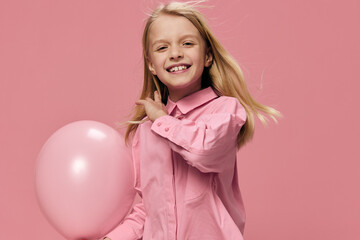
[178, 67]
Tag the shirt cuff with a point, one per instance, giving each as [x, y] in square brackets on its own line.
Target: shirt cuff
[165, 125]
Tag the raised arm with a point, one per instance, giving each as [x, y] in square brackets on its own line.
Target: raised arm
[206, 142]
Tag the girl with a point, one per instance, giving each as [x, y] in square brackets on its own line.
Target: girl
[194, 113]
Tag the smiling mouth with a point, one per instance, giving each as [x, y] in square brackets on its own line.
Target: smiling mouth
[178, 68]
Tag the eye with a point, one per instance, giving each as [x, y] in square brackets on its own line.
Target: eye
[188, 43]
[161, 48]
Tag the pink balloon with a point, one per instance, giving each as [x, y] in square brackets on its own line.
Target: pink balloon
[84, 180]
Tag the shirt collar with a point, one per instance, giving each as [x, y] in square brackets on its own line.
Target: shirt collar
[192, 101]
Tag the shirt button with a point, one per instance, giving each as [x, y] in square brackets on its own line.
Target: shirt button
[166, 129]
[159, 124]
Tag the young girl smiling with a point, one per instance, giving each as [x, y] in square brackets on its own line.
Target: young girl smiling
[194, 113]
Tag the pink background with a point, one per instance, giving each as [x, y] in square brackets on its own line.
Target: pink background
[63, 61]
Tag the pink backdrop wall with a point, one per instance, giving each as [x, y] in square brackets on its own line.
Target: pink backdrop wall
[63, 61]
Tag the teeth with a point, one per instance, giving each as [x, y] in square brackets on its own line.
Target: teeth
[178, 68]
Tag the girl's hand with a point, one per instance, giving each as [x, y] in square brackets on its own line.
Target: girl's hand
[153, 108]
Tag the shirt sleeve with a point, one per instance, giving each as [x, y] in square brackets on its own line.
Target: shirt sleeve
[206, 142]
[132, 227]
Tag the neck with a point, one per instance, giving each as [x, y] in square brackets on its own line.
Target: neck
[179, 94]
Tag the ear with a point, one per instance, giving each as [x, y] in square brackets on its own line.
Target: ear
[208, 58]
[151, 66]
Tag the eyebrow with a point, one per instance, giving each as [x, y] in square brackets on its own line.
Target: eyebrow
[182, 37]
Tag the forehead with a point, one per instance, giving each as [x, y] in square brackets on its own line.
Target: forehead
[171, 26]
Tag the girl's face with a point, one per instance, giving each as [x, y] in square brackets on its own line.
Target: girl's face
[177, 55]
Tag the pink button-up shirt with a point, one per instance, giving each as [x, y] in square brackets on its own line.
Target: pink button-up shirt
[186, 174]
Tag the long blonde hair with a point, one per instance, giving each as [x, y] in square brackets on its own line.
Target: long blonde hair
[224, 75]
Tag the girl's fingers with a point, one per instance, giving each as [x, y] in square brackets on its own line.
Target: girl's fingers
[144, 101]
[157, 96]
[140, 102]
[149, 99]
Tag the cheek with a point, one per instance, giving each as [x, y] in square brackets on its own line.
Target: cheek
[200, 57]
[200, 60]
[158, 61]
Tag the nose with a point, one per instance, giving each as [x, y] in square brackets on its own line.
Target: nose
[176, 53]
